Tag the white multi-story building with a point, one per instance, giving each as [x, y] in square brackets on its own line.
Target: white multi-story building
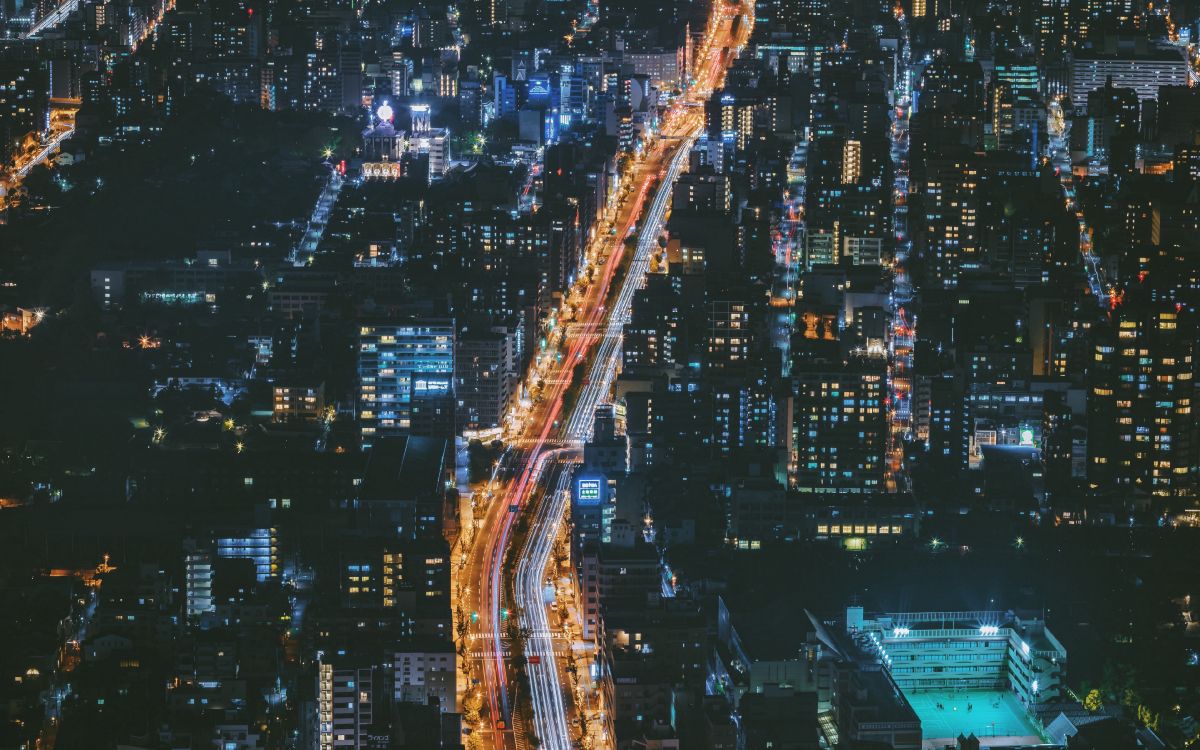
[960, 651]
[661, 65]
[426, 670]
[1142, 73]
[345, 706]
[199, 580]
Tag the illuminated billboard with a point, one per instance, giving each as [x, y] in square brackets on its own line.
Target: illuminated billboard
[539, 88]
[431, 386]
[587, 491]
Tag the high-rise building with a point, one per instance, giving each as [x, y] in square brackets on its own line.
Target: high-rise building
[729, 335]
[1141, 431]
[487, 13]
[703, 191]
[1144, 73]
[485, 375]
[23, 102]
[236, 29]
[731, 118]
[1053, 22]
[652, 336]
[948, 85]
[345, 704]
[851, 161]
[424, 669]
[259, 546]
[839, 426]
[405, 378]
[1023, 77]
[198, 565]
[1112, 126]
[951, 192]
[411, 579]
[1057, 442]
[744, 410]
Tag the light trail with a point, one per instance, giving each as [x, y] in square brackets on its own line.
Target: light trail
[53, 145]
[1104, 290]
[605, 366]
[534, 466]
[538, 451]
[60, 13]
[21, 170]
[901, 330]
[549, 710]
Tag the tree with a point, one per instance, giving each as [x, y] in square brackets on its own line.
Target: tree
[1092, 701]
[480, 458]
[1120, 684]
[472, 705]
[1147, 717]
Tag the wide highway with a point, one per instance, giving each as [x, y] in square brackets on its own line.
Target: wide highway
[535, 472]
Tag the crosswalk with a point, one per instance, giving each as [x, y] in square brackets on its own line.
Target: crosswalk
[565, 634]
[506, 652]
[480, 644]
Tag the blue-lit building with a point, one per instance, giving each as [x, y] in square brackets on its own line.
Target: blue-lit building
[405, 379]
[593, 505]
[257, 545]
[923, 679]
[999, 656]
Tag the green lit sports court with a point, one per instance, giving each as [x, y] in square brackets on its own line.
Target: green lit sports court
[984, 713]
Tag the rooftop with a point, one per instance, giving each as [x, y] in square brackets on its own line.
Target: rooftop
[404, 467]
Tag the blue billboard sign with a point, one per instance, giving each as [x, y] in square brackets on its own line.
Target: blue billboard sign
[587, 491]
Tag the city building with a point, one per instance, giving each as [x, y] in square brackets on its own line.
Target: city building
[839, 427]
[1144, 73]
[1141, 430]
[345, 705]
[425, 670]
[485, 375]
[389, 153]
[298, 402]
[983, 673]
[938, 651]
[405, 378]
[24, 102]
